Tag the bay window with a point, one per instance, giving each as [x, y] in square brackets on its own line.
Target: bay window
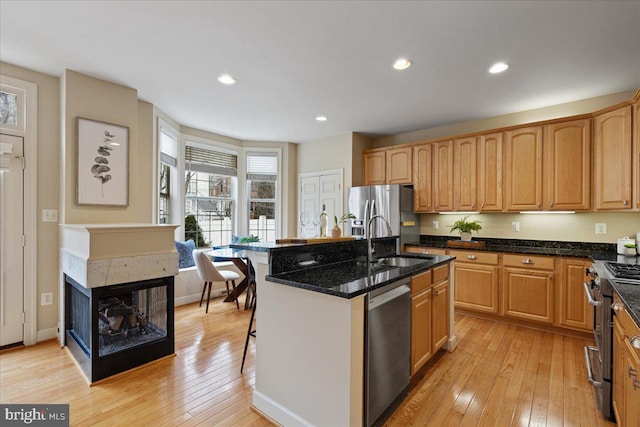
[262, 179]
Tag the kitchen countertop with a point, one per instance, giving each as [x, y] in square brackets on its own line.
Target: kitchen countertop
[349, 279]
[532, 247]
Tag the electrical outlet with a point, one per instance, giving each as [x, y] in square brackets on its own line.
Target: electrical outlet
[46, 298]
[435, 225]
[601, 228]
[515, 226]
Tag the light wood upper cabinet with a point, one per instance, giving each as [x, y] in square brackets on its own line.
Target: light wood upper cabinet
[422, 173]
[612, 160]
[443, 176]
[433, 177]
[390, 166]
[490, 172]
[375, 168]
[399, 166]
[523, 167]
[572, 309]
[567, 165]
[464, 174]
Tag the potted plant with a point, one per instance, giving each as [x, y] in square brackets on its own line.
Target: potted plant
[336, 231]
[465, 228]
[630, 249]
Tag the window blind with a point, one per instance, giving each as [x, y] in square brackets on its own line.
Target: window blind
[262, 166]
[211, 161]
[168, 149]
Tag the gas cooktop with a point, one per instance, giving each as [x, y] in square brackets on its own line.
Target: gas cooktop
[624, 271]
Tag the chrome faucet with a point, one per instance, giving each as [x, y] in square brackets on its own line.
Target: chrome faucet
[369, 245]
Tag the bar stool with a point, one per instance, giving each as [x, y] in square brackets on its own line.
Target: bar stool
[250, 332]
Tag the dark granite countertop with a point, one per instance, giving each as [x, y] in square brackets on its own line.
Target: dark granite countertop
[533, 247]
[262, 246]
[349, 279]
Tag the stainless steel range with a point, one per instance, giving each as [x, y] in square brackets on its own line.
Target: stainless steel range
[601, 278]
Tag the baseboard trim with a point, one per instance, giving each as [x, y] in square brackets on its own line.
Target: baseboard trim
[275, 412]
[46, 334]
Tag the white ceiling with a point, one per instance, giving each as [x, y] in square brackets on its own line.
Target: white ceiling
[296, 60]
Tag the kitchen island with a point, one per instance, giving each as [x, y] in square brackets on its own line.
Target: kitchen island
[311, 340]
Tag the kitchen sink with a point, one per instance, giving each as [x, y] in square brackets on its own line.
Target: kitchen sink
[402, 261]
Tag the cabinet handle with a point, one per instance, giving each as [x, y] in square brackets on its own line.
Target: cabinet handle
[482, 205]
[626, 203]
[616, 306]
[473, 207]
[428, 206]
[472, 257]
[636, 384]
[635, 341]
[631, 372]
[440, 292]
[527, 261]
[539, 205]
[425, 252]
[551, 204]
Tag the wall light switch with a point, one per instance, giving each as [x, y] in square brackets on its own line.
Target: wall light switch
[435, 225]
[601, 228]
[46, 298]
[515, 226]
[49, 215]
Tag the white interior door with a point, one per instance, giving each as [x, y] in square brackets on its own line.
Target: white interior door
[11, 245]
[317, 189]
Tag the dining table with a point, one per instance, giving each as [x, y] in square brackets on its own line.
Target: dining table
[241, 260]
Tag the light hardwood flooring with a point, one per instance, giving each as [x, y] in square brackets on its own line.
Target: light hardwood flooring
[499, 375]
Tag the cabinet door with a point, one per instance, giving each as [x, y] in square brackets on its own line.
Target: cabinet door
[636, 156]
[523, 164]
[528, 295]
[618, 370]
[567, 166]
[612, 160]
[422, 173]
[490, 172]
[399, 166]
[476, 287]
[375, 168]
[631, 385]
[572, 309]
[440, 315]
[420, 330]
[464, 174]
[443, 176]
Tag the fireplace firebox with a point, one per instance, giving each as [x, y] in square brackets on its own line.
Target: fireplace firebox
[114, 328]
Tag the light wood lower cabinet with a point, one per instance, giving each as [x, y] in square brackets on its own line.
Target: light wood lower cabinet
[572, 309]
[477, 277]
[429, 314]
[626, 367]
[528, 294]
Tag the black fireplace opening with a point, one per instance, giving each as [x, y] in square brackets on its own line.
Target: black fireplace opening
[115, 328]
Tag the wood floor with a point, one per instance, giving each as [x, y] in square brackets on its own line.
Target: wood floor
[499, 375]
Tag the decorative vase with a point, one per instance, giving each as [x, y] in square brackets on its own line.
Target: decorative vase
[336, 232]
[465, 236]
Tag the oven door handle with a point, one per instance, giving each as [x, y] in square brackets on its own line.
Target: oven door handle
[587, 358]
[592, 301]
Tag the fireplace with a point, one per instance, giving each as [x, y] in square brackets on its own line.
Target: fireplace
[118, 295]
[112, 329]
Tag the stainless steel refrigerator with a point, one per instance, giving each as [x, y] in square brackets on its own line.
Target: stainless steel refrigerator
[394, 202]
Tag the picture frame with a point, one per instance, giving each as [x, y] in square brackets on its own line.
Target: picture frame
[102, 167]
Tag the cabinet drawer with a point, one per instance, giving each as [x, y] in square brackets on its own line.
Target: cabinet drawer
[475, 257]
[528, 261]
[424, 250]
[420, 282]
[627, 323]
[440, 273]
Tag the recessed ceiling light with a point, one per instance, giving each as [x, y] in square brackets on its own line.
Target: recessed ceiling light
[498, 67]
[226, 79]
[321, 118]
[402, 64]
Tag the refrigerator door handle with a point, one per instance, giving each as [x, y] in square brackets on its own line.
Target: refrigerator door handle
[366, 220]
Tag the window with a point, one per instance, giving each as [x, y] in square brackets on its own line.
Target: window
[210, 188]
[168, 167]
[8, 108]
[262, 178]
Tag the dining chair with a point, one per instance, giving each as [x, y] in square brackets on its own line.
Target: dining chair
[209, 274]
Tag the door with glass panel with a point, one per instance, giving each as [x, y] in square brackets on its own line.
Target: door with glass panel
[11, 240]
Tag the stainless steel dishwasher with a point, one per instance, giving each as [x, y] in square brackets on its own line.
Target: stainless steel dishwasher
[387, 361]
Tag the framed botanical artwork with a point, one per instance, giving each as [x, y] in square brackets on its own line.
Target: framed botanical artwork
[103, 163]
